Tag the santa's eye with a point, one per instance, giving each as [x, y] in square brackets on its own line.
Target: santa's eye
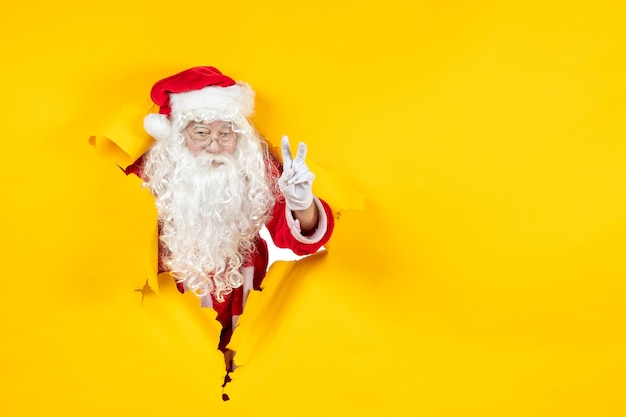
[201, 134]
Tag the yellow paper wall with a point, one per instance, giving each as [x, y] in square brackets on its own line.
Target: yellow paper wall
[485, 276]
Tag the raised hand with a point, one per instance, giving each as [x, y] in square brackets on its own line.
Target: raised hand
[296, 182]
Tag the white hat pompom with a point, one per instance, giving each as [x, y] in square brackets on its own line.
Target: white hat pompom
[157, 125]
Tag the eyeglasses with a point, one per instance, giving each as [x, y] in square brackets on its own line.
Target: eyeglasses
[202, 137]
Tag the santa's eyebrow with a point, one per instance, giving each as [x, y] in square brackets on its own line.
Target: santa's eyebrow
[194, 125]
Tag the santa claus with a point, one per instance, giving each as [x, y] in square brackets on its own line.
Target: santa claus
[215, 185]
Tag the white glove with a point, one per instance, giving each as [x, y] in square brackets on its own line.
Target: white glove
[296, 182]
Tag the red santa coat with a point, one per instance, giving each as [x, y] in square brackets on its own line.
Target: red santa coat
[285, 234]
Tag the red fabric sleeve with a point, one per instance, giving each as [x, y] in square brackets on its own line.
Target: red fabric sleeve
[136, 167]
[283, 238]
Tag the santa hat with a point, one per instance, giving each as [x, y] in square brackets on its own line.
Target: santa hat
[199, 92]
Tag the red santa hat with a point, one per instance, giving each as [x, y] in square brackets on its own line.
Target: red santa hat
[197, 93]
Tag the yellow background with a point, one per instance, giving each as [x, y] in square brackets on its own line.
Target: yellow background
[484, 276]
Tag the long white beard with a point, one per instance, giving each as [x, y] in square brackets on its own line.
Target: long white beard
[210, 216]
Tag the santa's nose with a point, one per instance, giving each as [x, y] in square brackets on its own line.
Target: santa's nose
[214, 147]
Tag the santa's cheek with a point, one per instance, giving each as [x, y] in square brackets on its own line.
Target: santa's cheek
[192, 147]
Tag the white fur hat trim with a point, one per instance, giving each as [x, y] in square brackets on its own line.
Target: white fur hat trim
[236, 99]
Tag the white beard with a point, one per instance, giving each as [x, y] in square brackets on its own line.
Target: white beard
[209, 215]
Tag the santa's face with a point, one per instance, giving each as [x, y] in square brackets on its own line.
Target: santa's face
[213, 195]
[215, 137]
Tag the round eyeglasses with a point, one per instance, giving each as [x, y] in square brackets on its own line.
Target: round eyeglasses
[202, 137]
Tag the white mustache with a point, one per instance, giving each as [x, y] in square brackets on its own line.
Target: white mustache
[210, 161]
